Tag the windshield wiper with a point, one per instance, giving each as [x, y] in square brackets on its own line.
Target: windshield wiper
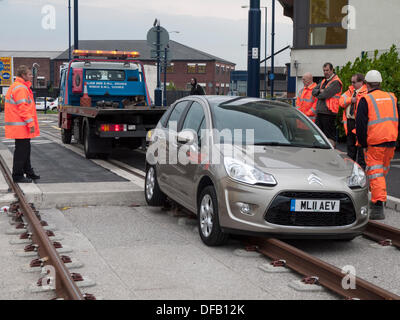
[293, 145]
[273, 144]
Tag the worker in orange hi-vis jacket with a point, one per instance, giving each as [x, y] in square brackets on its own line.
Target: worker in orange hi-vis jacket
[377, 124]
[306, 102]
[21, 123]
[349, 101]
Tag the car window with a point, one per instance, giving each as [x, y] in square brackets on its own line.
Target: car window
[177, 113]
[269, 125]
[164, 118]
[194, 117]
[201, 132]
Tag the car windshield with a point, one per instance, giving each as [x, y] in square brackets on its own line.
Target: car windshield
[271, 125]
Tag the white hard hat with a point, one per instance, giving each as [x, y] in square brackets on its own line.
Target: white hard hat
[373, 76]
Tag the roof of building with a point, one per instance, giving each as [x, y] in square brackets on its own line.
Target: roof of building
[178, 50]
[287, 7]
[30, 54]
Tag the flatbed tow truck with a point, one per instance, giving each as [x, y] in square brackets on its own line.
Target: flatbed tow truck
[105, 103]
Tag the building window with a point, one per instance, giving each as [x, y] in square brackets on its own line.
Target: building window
[201, 68]
[191, 68]
[170, 68]
[217, 69]
[325, 23]
[41, 82]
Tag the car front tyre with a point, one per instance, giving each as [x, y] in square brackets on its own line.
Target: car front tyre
[208, 219]
[152, 192]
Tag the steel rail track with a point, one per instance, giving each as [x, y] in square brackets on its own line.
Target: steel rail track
[325, 274]
[328, 275]
[65, 286]
[383, 233]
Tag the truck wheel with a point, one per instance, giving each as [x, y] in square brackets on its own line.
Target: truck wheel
[207, 215]
[66, 136]
[154, 196]
[88, 143]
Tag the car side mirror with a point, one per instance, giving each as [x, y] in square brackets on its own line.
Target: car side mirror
[186, 137]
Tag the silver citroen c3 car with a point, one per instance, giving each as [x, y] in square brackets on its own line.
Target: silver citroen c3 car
[252, 166]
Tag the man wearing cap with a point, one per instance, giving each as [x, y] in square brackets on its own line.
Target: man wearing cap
[377, 124]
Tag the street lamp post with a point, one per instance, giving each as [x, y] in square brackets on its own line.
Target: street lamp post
[273, 50]
[166, 50]
[265, 47]
[76, 23]
[253, 55]
[69, 30]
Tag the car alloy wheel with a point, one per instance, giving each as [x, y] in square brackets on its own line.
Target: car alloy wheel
[206, 215]
[150, 183]
[152, 192]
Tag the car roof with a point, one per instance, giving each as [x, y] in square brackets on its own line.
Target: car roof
[217, 100]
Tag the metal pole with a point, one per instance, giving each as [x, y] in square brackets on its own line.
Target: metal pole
[265, 66]
[76, 22]
[165, 76]
[273, 50]
[253, 55]
[158, 93]
[69, 30]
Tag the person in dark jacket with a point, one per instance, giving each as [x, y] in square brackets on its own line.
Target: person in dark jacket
[328, 93]
[197, 90]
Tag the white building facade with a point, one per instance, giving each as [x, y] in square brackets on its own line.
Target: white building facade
[339, 31]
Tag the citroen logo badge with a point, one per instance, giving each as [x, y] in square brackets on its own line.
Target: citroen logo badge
[314, 179]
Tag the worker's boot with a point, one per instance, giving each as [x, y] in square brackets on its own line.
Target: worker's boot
[377, 211]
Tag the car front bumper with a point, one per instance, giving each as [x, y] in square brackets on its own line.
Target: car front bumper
[259, 200]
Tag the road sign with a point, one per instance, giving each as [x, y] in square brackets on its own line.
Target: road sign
[6, 71]
[152, 37]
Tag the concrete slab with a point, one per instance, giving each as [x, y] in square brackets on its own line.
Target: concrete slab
[127, 191]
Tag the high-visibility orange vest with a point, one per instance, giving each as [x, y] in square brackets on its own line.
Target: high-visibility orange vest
[345, 101]
[20, 111]
[383, 117]
[307, 103]
[333, 103]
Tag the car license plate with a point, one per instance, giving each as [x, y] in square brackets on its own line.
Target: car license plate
[302, 205]
[131, 127]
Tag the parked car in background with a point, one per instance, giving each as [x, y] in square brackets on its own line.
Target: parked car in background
[283, 180]
[51, 103]
[54, 105]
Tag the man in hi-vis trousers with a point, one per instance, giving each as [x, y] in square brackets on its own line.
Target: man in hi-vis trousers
[21, 124]
[377, 127]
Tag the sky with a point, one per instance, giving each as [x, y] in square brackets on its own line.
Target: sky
[218, 27]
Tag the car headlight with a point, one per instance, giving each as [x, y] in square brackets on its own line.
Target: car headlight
[358, 178]
[242, 172]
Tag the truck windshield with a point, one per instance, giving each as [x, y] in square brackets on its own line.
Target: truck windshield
[105, 75]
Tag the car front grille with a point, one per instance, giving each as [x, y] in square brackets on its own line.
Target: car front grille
[279, 212]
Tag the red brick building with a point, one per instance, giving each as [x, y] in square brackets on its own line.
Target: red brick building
[46, 69]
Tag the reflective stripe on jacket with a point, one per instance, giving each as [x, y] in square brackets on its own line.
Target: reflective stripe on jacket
[307, 103]
[20, 111]
[333, 103]
[345, 101]
[383, 117]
